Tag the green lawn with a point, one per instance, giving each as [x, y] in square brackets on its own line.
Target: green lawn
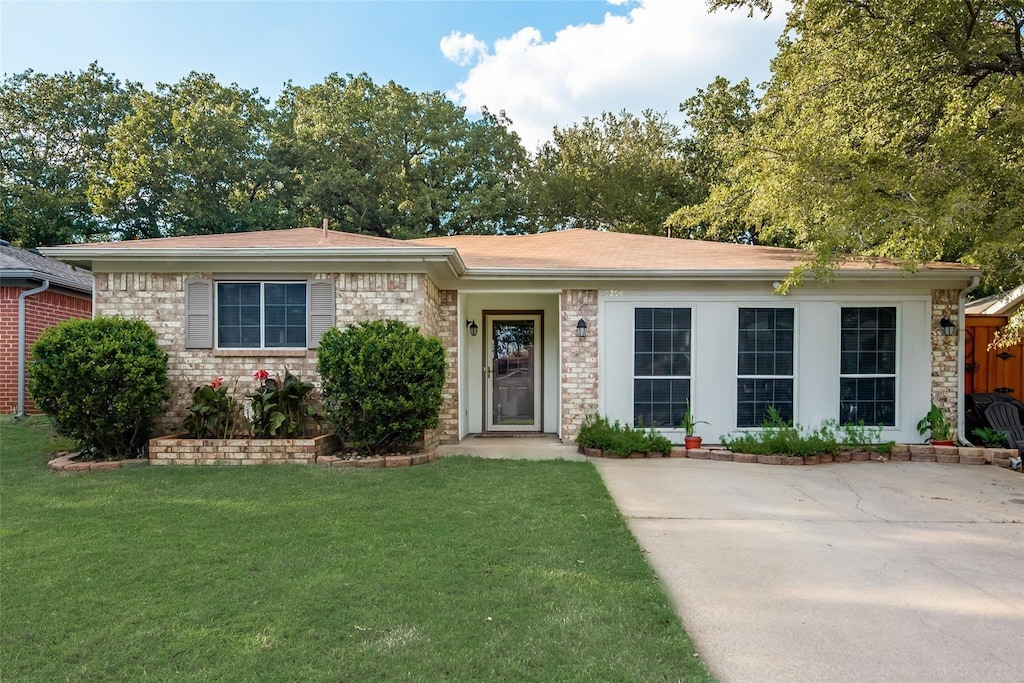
[464, 570]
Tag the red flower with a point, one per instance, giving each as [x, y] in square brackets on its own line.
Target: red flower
[260, 375]
[217, 383]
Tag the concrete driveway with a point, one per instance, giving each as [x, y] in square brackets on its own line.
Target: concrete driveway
[850, 572]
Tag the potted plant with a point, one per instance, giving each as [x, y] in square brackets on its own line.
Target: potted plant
[936, 423]
[688, 424]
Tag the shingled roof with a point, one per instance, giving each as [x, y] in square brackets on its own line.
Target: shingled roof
[18, 264]
[560, 254]
[590, 250]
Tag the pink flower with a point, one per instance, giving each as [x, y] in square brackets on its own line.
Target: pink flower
[217, 383]
[260, 375]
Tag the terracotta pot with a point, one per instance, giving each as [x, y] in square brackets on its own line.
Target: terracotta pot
[943, 443]
[692, 442]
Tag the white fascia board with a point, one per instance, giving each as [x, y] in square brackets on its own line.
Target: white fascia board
[738, 274]
[87, 255]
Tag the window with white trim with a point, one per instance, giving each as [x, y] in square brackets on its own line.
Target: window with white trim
[259, 315]
[764, 365]
[867, 366]
[661, 366]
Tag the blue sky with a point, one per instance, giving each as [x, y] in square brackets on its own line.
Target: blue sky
[544, 62]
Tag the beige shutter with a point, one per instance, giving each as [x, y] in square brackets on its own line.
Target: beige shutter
[320, 313]
[198, 314]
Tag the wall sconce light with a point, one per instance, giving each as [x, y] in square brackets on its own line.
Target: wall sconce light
[948, 328]
[581, 328]
[473, 327]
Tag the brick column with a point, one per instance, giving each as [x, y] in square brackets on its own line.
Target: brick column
[945, 362]
[579, 359]
[440, 319]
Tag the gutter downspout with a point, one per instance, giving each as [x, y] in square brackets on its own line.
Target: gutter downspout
[961, 302]
[21, 342]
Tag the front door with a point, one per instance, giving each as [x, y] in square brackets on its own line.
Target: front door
[513, 386]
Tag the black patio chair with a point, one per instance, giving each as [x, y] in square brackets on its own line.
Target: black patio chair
[1005, 418]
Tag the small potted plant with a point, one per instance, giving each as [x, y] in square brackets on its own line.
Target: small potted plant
[936, 423]
[688, 424]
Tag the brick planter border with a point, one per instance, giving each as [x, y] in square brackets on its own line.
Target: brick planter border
[173, 450]
[951, 455]
[65, 462]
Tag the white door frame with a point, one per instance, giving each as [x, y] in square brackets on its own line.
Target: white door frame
[536, 368]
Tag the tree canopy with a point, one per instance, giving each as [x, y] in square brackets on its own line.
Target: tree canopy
[53, 133]
[387, 161]
[889, 127]
[85, 157]
[188, 159]
[617, 172]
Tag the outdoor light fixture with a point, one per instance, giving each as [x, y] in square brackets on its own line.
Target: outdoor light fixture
[473, 327]
[948, 328]
[581, 328]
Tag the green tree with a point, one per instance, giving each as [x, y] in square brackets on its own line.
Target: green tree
[383, 160]
[617, 172]
[191, 158]
[53, 129]
[718, 117]
[889, 127]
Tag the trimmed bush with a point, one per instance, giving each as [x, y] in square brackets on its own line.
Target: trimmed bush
[103, 381]
[382, 383]
[597, 431]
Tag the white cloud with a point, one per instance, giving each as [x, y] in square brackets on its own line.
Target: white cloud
[463, 49]
[652, 57]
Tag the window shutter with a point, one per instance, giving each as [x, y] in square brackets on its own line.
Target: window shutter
[198, 314]
[320, 311]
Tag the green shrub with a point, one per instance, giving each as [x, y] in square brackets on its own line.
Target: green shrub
[382, 384]
[103, 381]
[781, 437]
[618, 439]
[990, 437]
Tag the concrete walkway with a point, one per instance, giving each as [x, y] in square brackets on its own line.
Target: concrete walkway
[545, 447]
[851, 572]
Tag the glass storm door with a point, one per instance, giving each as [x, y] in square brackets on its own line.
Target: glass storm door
[513, 373]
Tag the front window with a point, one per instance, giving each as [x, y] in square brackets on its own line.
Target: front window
[255, 315]
[764, 365]
[661, 366]
[867, 381]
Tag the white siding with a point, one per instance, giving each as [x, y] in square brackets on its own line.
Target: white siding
[816, 358]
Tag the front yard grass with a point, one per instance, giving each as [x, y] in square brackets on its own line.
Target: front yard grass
[465, 570]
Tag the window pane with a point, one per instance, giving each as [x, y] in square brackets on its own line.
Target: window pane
[643, 341]
[755, 396]
[868, 347]
[643, 318]
[661, 342]
[869, 399]
[660, 403]
[285, 314]
[238, 320]
[765, 350]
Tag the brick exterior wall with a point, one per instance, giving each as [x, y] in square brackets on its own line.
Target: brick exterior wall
[579, 359]
[42, 311]
[159, 299]
[944, 354]
[440, 319]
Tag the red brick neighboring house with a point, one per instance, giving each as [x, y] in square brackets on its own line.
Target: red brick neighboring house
[51, 292]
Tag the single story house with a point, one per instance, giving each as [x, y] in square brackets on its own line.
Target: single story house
[541, 330]
[36, 292]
